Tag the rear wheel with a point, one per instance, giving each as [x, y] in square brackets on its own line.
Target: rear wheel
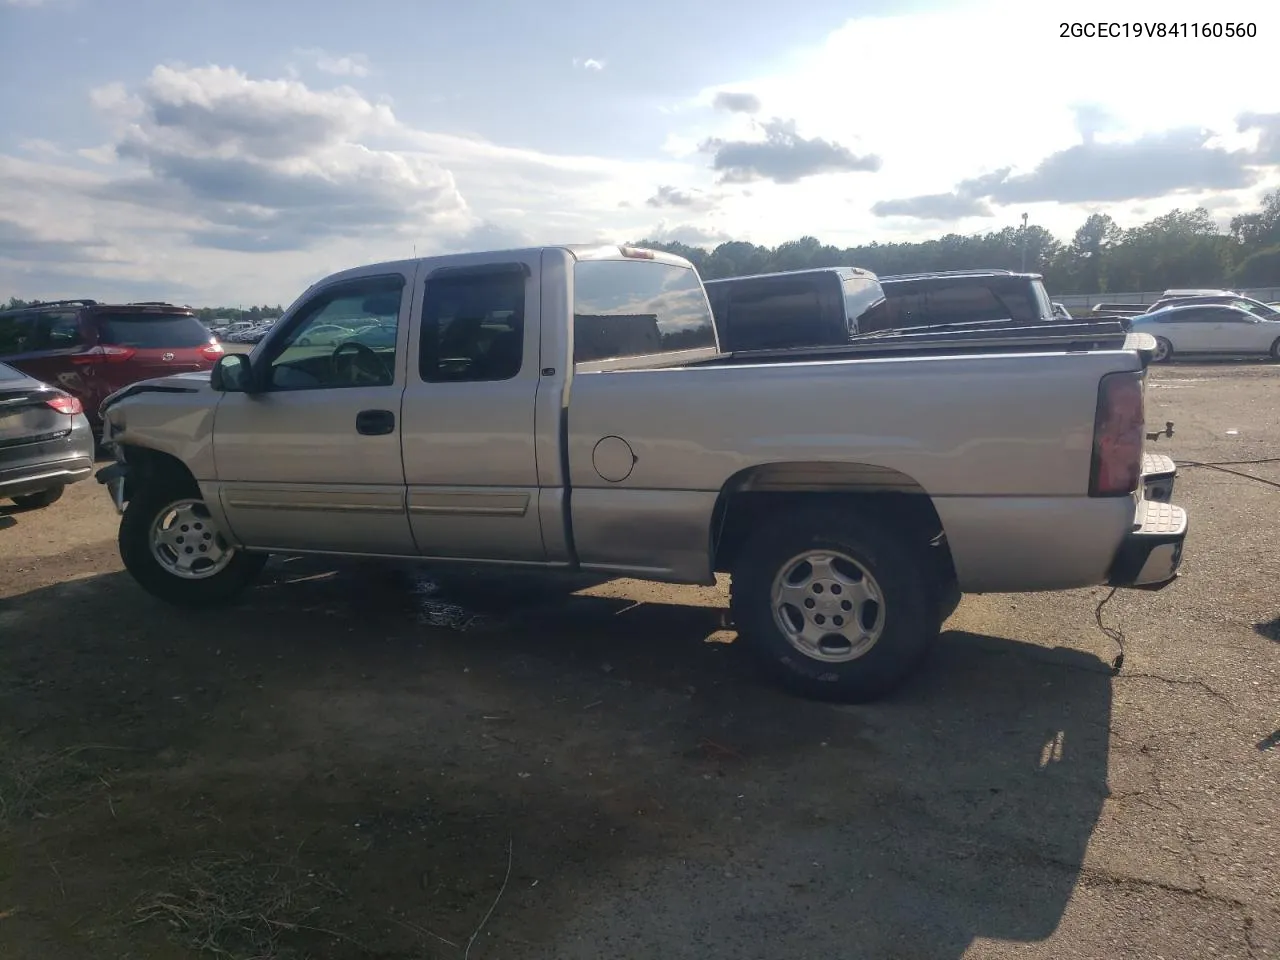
[1275, 350]
[835, 606]
[170, 544]
[34, 501]
[1164, 350]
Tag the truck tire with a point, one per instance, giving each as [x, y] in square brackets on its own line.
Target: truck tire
[835, 606]
[41, 498]
[170, 546]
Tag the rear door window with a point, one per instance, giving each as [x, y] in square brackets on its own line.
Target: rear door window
[145, 331]
[473, 326]
[59, 331]
[1225, 314]
[764, 314]
[17, 334]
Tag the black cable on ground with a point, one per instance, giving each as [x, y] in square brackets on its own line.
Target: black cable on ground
[1235, 473]
[1225, 463]
[1115, 633]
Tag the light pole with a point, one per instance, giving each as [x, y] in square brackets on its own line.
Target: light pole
[1024, 243]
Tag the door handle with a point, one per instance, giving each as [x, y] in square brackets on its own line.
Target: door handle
[375, 423]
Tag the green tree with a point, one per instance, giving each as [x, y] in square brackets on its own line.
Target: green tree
[1260, 269]
[1254, 231]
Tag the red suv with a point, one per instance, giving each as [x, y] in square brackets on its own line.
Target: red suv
[92, 349]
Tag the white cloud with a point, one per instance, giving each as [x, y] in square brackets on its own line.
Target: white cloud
[949, 95]
[217, 185]
[41, 147]
[590, 63]
[348, 65]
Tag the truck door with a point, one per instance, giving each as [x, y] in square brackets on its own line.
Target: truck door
[468, 427]
[312, 462]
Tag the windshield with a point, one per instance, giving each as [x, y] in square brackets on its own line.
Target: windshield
[1042, 300]
[1257, 308]
[151, 331]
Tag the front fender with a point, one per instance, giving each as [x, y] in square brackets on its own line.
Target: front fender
[174, 419]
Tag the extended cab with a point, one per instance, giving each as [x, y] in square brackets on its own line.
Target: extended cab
[570, 408]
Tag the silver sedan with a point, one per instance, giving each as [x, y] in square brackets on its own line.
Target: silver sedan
[1205, 329]
[45, 440]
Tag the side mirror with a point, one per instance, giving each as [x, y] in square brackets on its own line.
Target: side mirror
[232, 374]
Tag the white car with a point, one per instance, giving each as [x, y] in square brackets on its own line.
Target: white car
[325, 335]
[1199, 329]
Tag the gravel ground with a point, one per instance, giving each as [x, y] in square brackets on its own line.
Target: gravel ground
[362, 762]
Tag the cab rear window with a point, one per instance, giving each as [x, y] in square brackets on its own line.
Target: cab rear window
[145, 331]
[633, 308]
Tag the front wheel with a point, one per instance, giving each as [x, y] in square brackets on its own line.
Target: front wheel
[834, 605]
[1164, 350]
[1275, 350]
[173, 549]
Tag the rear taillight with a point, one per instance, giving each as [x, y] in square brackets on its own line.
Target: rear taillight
[65, 403]
[105, 354]
[1117, 436]
[212, 351]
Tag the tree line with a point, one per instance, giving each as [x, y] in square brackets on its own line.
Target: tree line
[1183, 248]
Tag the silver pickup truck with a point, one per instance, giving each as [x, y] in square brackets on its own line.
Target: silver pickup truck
[569, 408]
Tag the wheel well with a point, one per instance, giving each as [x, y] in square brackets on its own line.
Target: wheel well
[761, 493]
[149, 467]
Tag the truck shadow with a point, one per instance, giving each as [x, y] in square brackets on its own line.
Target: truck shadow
[676, 801]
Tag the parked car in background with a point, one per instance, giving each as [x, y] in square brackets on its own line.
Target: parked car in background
[328, 334]
[827, 306]
[1256, 307]
[227, 328]
[45, 440]
[1119, 309]
[960, 297]
[377, 336]
[1198, 292]
[792, 309]
[250, 334]
[1207, 329]
[92, 349]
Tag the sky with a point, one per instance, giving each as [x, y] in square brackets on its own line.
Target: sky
[218, 152]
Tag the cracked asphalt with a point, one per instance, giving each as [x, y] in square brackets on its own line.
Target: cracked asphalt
[338, 766]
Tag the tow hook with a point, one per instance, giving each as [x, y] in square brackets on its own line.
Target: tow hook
[113, 477]
[1166, 432]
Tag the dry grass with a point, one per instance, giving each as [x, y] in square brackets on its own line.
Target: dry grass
[241, 908]
[44, 785]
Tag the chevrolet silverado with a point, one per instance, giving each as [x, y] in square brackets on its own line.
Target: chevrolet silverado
[571, 408]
